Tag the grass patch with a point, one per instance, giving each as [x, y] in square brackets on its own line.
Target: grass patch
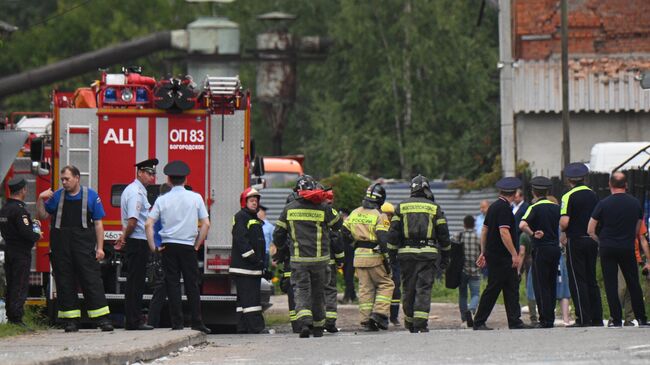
[34, 319]
[274, 319]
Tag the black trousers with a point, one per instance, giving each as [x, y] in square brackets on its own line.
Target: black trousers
[501, 277]
[348, 273]
[417, 281]
[291, 301]
[397, 292]
[582, 254]
[330, 297]
[17, 265]
[308, 281]
[73, 260]
[137, 256]
[179, 259]
[611, 259]
[545, 269]
[155, 306]
[249, 304]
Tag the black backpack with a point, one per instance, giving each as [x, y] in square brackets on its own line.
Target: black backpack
[456, 262]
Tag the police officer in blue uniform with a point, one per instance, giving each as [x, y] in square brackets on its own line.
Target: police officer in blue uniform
[19, 232]
[582, 250]
[135, 206]
[76, 246]
[180, 210]
[499, 254]
[541, 222]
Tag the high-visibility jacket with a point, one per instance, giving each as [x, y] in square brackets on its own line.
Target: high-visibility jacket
[419, 229]
[308, 225]
[368, 230]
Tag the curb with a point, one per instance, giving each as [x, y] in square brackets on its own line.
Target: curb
[128, 356]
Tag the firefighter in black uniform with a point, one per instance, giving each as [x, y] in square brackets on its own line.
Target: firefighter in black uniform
[419, 237]
[19, 233]
[541, 221]
[499, 253]
[308, 221]
[582, 250]
[76, 246]
[247, 266]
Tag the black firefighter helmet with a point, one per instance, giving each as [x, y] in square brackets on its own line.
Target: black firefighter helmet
[375, 194]
[305, 182]
[420, 187]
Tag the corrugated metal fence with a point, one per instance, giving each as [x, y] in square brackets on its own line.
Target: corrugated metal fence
[455, 205]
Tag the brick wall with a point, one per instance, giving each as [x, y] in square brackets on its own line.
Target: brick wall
[595, 27]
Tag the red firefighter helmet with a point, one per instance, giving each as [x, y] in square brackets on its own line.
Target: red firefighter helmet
[247, 194]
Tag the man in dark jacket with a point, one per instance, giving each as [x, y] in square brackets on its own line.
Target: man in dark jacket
[308, 220]
[19, 233]
[247, 266]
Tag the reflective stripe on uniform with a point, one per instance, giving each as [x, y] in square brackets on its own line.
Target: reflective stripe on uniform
[252, 222]
[247, 253]
[366, 305]
[530, 208]
[331, 315]
[340, 255]
[311, 215]
[239, 309]
[320, 323]
[392, 246]
[421, 315]
[416, 250]
[441, 221]
[408, 319]
[98, 312]
[75, 313]
[281, 224]
[236, 270]
[296, 249]
[426, 208]
[382, 299]
[567, 196]
[319, 240]
[292, 315]
[287, 274]
[333, 221]
[310, 259]
[252, 309]
[303, 313]
[395, 219]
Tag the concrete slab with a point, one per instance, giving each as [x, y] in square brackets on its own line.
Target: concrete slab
[94, 347]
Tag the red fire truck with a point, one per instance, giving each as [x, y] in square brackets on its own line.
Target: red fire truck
[124, 118]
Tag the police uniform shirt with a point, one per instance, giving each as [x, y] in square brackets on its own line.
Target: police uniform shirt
[179, 212]
[95, 207]
[543, 216]
[16, 226]
[499, 215]
[618, 215]
[577, 204]
[134, 204]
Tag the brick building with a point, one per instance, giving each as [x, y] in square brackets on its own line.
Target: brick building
[609, 42]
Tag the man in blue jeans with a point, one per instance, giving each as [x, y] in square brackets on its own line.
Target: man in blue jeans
[471, 275]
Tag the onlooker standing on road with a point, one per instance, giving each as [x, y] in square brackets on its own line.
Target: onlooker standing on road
[499, 252]
[135, 206]
[19, 232]
[180, 211]
[620, 217]
[480, 217]
[470, 277]
[541, 222]
[582, 251]
[77, 246]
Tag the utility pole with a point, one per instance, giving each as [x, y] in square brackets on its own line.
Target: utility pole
[566, 143]
[508, 147]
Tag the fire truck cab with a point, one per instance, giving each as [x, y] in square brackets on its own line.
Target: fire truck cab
[125, 118]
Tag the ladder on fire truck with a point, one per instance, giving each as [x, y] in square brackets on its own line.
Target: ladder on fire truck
[222, 85]
[79, 149]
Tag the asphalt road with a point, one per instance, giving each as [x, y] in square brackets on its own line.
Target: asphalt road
[445, 346]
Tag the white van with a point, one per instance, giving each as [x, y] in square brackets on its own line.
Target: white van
[606, 156]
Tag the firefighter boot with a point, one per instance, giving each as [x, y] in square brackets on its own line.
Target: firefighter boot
[71, 326]
[295, 327]
[104, 323]
[305, 332]
[317, 331]
[330, 326]
[380, 320]
[369, 326]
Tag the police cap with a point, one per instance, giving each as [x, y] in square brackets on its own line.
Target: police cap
[148, 165]
[508, 184]
[576, 170]
[177, 168]
[541, 182]
[16, 184]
